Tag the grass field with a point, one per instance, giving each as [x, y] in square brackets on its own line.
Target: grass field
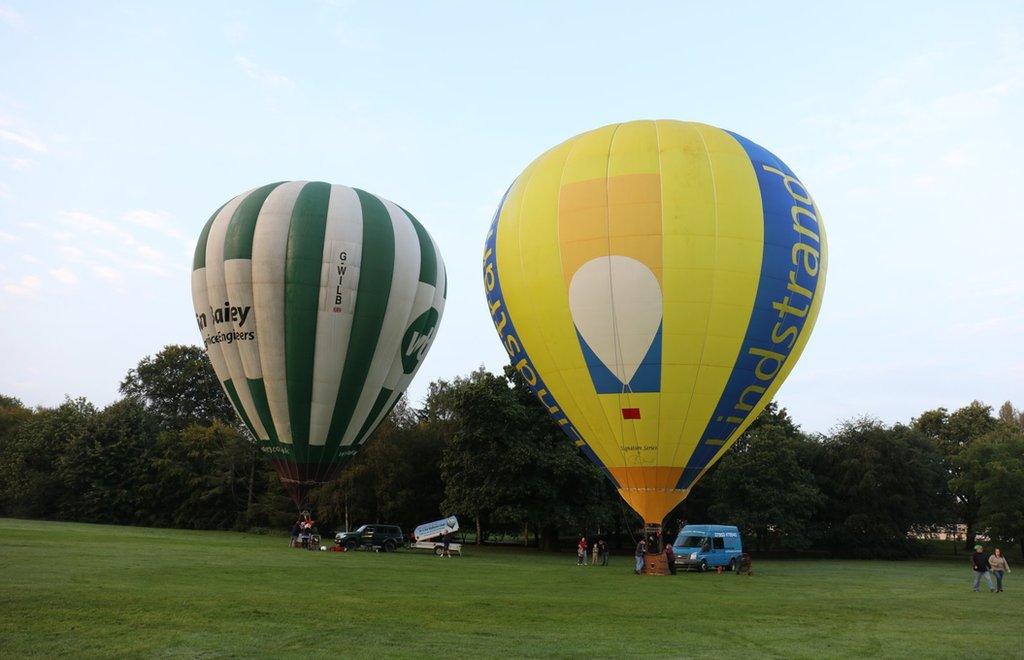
[120, 591]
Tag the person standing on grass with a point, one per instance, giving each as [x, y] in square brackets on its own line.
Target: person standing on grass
[581, 552]
[446, 539]
[998, 565]
[670, 557]
[594, 552]
[979, 563]
[638, 554]
[603, 546]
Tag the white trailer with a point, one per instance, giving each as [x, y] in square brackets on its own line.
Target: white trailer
[430, 536]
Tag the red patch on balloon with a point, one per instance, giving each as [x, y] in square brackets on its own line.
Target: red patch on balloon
[630, 413]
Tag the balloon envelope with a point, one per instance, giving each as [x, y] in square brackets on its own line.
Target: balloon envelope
[316, 304]
[655, 282]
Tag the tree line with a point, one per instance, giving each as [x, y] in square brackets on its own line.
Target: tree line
[170, 453]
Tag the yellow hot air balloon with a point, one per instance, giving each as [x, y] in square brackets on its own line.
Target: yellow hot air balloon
[655, 282]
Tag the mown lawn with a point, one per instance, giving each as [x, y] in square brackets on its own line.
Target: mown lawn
[119, 591]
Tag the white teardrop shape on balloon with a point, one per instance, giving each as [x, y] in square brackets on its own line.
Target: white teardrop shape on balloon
[615, 303]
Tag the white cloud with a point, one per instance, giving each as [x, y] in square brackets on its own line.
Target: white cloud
[23, 139]
[90, 223]
[150, 267]
[29, 258]
[11, 18]
[6, 237]
[150, 253]
[16, 163]
[159, 221]
[70, 252]
[25, 287]
[57, 235]
[5, 191]
[106, 272]
[262, 76]
[64, 275]
[956, 158]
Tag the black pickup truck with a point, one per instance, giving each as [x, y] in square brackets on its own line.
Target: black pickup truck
[379, 537]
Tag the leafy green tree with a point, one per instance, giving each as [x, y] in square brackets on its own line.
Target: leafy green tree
[879, 482]
[507, 463]
[993, 469]
[209, 477]
[179, 388]
[1010, 415]
[107, 469]
[12, 415]
[953, 434]
[762, 485]
[395, 478]
[31, 483]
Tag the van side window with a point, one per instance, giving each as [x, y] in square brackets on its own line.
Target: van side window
[719, 543]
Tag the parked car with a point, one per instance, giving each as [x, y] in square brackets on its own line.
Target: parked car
[702, 547]
[379, 537]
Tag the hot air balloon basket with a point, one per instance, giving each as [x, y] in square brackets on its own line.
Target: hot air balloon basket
[656, 565]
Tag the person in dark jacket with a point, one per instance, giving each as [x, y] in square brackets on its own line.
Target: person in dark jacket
[670, 557]
[603, 550]
[979, 563]
[638, 554]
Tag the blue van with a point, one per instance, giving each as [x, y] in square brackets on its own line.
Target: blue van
[707, 546]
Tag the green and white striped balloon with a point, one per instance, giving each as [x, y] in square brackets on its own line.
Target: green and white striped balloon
[316, 304]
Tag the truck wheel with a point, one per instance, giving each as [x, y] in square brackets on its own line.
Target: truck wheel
[732, 565]
[350, 546]
[389, 546]
[703, 566]
[438, 550]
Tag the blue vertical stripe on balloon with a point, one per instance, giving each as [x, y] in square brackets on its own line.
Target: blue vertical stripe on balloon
[776, 266]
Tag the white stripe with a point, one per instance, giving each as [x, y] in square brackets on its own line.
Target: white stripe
[269, 247]
[238, 278]
[202, 308]
[397, 380]
[403, 288]
[201, 304]
[217, 294]
[343, 247]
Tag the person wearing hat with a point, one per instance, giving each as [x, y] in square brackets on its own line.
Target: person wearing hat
[979, 563]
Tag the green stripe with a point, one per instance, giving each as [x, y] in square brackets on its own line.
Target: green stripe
[428, 258]
[378, 264]
[304, 257]
[238, 239]
[199, 259]
[259, 398]
[368, 425]
[237, 403]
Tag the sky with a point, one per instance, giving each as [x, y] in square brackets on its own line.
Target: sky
[123, 126]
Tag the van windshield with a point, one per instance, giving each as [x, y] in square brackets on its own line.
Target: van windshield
[692, 542]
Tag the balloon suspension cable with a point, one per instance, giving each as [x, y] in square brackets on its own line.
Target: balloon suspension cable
[626, 523]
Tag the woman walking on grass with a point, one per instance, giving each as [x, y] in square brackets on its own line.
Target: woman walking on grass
[998, 565]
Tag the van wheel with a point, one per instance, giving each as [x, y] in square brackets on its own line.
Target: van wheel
[438, 550]
[703, 566]
[389, 546]
[350, 545]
